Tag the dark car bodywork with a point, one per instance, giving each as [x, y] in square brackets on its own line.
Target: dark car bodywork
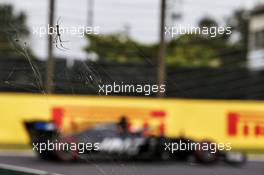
[116, 144]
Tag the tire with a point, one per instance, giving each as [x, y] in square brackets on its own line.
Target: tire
[68, 155]
[206, 156]
[46, 155]
[235, 158]
[164, 156]
[156, 149]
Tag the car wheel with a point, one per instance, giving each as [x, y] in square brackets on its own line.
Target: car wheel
[235, 158]
[164, 156]
[206, 156]
[46, 155]
[66, 155]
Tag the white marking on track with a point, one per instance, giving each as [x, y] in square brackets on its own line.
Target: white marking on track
[24, 170]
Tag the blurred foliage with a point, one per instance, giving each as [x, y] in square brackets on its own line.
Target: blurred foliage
[240, 24]
[191, 50]
[13, 32]
[202, 50]
[119, 48]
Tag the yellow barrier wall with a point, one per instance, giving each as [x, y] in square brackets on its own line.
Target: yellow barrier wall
[237, 122]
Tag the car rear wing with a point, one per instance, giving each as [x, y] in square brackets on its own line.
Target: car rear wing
[41, 131]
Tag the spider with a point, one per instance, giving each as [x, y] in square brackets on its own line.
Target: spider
[57, 40]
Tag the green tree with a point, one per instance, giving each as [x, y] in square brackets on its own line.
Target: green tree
[119, 48]
[195, 50]
[192, 50]
[13, 31]
[189, 51]
[201, 50]
[239, 22]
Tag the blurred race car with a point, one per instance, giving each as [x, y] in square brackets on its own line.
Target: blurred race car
[114, 141]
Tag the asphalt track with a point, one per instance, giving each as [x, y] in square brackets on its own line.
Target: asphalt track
[132, 168]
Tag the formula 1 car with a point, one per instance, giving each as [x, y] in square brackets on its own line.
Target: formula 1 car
[109, 141]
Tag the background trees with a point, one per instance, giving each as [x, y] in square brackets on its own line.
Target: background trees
[13, 31]
[186, 50]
